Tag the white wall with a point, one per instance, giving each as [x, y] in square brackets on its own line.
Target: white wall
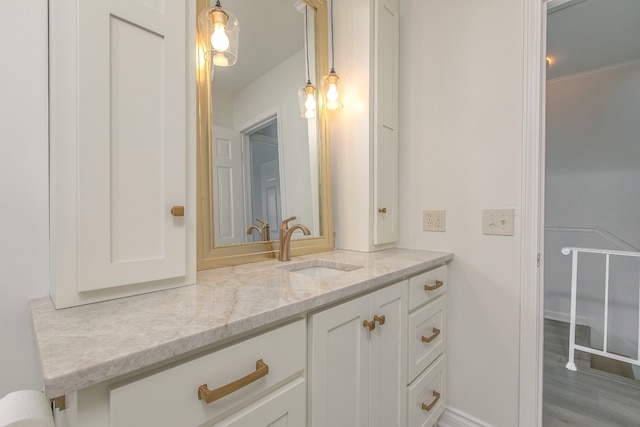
[461, 107]
[592, 174]
[24, 210]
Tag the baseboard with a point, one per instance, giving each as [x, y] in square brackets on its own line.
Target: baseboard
[455, 418]
[566, 317]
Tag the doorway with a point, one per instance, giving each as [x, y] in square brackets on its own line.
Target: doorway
[532, 297]
[591, 173]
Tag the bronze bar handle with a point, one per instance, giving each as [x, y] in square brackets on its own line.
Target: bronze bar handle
[436, 332]
[177, 211]
[262, 369]
[379, 319]
[438, 284]
[369, 325]
[382, 210]
[433, 403]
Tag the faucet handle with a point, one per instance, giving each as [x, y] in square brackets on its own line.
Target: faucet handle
[285, 222]
[265, 223]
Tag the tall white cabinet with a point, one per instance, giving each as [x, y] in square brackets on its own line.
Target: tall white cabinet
[121, 136]
[365, 131]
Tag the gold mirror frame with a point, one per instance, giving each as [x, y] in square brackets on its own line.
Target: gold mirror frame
[210, 256]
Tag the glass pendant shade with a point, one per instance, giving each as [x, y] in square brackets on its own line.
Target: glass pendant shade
[220, 33]
[332, 89]
[307, 101]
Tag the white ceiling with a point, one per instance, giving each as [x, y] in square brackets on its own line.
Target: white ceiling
[270, 31]
[586, 34]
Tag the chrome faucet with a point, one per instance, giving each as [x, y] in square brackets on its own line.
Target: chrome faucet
[285, 237]
[264, 231]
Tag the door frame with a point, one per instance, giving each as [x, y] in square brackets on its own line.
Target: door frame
[532, 243]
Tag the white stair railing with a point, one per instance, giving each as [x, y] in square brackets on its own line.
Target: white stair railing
[574, 290]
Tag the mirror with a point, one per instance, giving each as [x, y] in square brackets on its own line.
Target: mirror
[257, 158]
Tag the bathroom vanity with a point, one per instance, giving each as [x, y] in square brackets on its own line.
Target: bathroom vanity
[262, 343]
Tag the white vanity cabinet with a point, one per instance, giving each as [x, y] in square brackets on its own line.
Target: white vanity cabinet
[121, 136]
[427, 365]
[357, 365]
[365, 131]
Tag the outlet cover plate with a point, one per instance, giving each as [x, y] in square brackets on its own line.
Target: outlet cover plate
[433, 220]
[498, 221]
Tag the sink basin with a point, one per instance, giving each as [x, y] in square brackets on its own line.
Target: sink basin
[320, 268]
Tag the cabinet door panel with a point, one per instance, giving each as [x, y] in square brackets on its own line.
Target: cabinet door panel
[131, 142]
[430, 390]
[385, 139]
[427, 335]
[388, 368]
[339, 366]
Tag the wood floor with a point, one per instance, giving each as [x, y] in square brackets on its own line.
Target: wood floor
[587, 397]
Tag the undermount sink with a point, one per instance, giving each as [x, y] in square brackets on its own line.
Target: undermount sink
[319, 268]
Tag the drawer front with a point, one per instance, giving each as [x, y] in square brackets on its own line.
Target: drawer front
[284, 407]
[427, 335]
[427, 395]
[171, 397]
[427, 286]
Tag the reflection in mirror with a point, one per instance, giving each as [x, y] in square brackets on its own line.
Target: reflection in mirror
[258, 159]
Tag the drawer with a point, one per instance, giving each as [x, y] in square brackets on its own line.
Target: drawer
[427, 335]
[171, 397]
[427, 395]
[283, 407]
[427, 286]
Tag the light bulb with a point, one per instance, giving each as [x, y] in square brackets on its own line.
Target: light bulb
[219, 39]
[220, 60]
[310, 106]
[332, 97]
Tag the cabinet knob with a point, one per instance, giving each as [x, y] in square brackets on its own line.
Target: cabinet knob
[437, 285]
[382, 210]
[177, 211]
[430, 406]
[379, 319]
[370, 326]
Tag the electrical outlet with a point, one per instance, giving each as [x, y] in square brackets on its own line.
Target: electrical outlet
[498, 221]
[433, 220]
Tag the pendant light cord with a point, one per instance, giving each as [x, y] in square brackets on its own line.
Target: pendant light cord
[306, 42]
[332, 48]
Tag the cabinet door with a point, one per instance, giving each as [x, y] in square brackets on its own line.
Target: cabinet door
[385, 138]
[339, 366]
[118, 146]
[388, 356]
[131, 141]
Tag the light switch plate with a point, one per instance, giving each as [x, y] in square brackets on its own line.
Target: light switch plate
[433, 220]
[498, 221]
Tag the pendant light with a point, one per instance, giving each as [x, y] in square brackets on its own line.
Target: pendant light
[221, 31]
[332, 84]
[307, 93]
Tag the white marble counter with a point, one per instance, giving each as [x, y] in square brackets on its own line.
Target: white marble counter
[89, 344]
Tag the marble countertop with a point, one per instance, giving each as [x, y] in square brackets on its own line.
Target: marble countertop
[89, 344]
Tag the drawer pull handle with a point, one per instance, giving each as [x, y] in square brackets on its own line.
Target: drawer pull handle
[430, 406]
[177, 211]
[438, 284]
[436, 332]
[262, 369]
[379, 319]
[369, 325]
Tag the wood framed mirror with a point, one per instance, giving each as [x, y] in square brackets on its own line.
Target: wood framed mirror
[228, 201]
